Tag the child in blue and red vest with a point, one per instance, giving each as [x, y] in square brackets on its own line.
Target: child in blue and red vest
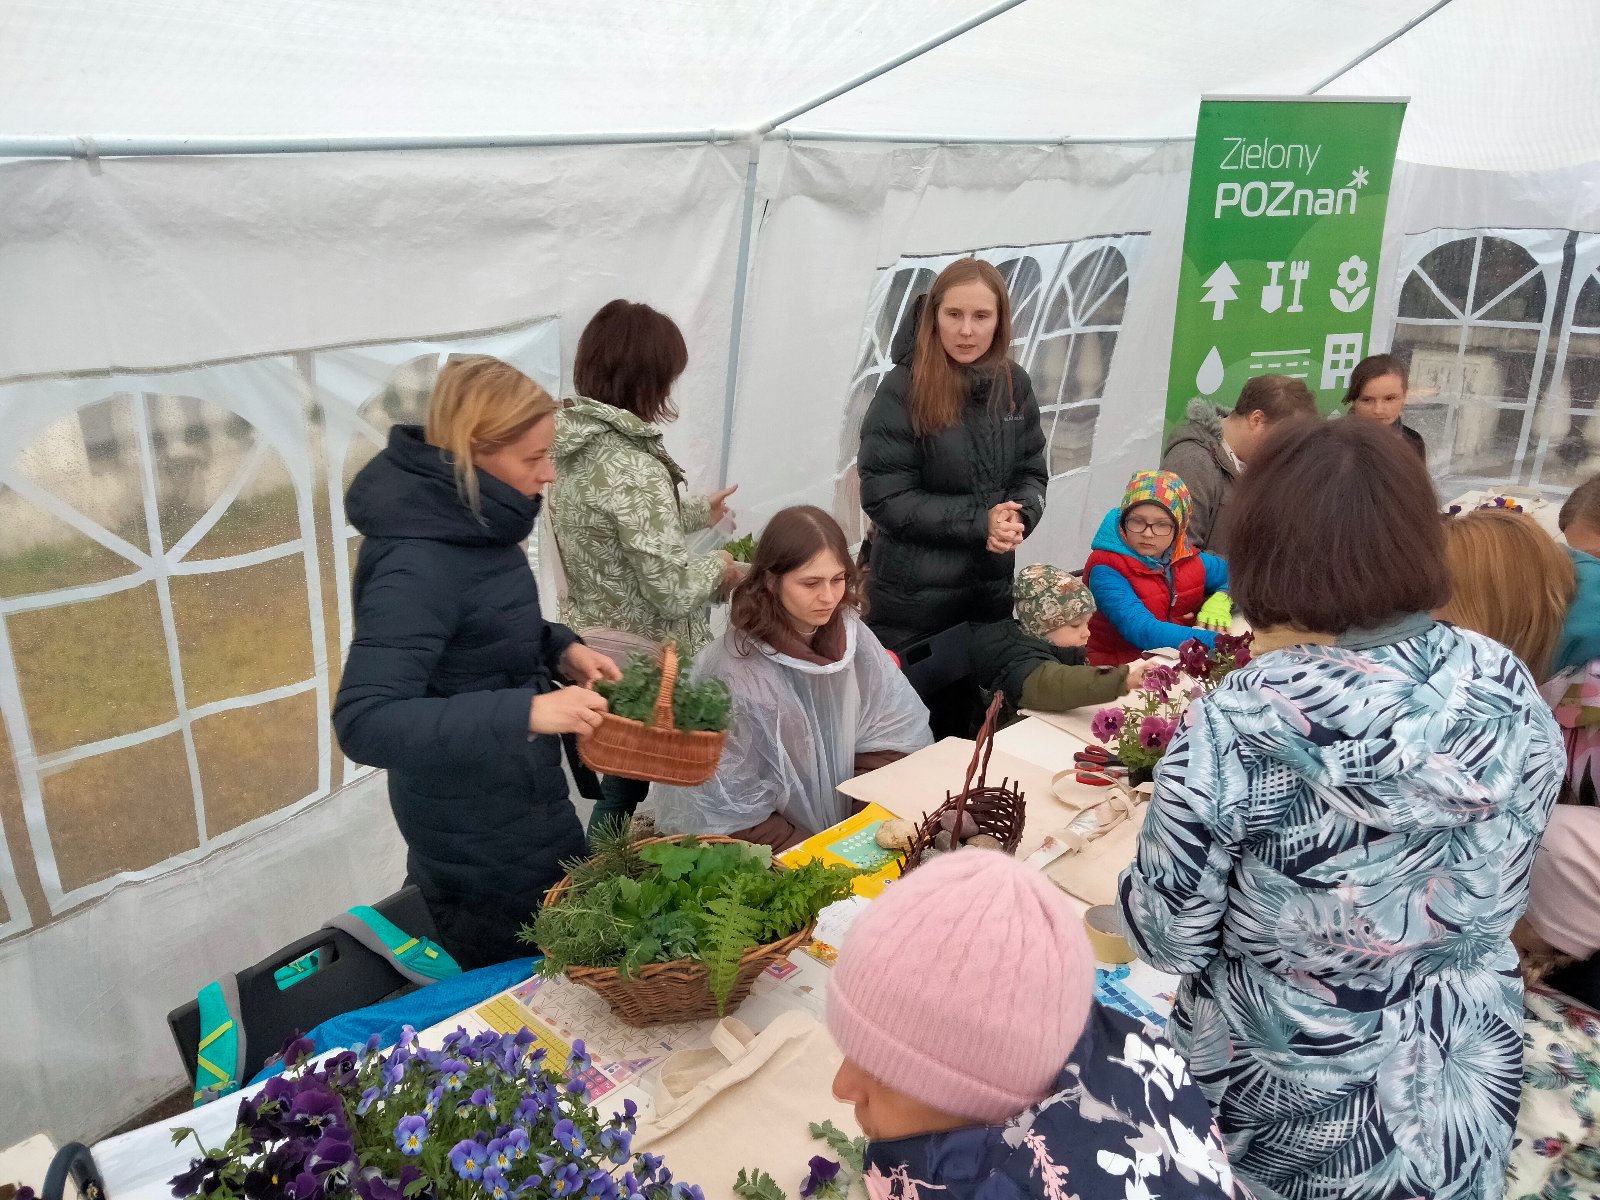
[1150, 586]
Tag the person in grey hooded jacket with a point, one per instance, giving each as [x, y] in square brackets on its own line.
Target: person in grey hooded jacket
[1211, 447]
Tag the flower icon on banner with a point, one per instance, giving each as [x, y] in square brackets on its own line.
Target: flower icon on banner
[1352, 292]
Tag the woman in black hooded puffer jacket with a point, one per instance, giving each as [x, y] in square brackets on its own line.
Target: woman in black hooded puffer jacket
[952, 463]
[451, 683]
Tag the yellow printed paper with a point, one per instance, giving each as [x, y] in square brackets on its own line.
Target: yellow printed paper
[852, 843]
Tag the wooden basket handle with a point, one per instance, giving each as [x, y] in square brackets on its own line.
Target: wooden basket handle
[981, 751]
[662, 717]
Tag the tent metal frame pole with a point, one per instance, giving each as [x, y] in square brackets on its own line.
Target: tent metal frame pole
[741, 280]
[1373, 49]
[883, 68]
[139, 146]
[962, 139]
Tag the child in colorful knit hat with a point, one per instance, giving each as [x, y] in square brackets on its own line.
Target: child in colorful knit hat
[1150, 586]
[1038, 659]
[979, 1063]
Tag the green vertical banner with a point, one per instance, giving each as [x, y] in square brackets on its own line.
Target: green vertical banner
[1287, 199]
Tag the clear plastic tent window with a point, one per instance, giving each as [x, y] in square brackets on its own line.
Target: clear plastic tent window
[175, 599]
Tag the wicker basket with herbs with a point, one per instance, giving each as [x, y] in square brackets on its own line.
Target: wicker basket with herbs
[671, 929]
[659, 729]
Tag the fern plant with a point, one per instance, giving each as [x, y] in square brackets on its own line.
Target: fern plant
[628, 906]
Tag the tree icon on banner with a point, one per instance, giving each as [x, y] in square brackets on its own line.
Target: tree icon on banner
[1220, 289]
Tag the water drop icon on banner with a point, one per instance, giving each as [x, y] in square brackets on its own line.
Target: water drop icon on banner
[1209, 377]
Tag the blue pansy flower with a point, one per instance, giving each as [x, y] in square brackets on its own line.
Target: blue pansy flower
[566, 1181]
[455, 1074]
[410, 1133]
[495, 1183]
[568, 1137]
[500, 1156]
[617, 1143]
[468, 1158]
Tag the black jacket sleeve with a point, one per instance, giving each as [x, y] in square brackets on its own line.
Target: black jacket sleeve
[405, 616]
[1031, 478]
[890, 469]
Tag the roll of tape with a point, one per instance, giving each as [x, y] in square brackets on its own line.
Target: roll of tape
[1103, 924]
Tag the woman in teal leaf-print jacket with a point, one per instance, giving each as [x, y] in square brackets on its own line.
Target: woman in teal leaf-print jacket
[1339, 845]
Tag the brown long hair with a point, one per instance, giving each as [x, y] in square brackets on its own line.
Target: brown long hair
[938, 383]
[1509, 581]
[480, 403]
[791, 539]
[629, 355]
[1336, 528]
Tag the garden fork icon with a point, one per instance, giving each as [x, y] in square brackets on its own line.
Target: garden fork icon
[1299, 272]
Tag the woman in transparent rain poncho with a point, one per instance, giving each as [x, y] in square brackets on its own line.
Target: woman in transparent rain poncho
[816, 697]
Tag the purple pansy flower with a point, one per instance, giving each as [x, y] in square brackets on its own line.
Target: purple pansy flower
[313, 1112]
[1160, 680]
[1107, 724]
[823, 1172]
[1195, 659]
[1155, 732]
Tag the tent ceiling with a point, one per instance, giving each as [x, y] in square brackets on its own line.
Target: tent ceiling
[1494, 85]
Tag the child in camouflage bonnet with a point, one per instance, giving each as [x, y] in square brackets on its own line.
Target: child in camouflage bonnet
[1038, 659]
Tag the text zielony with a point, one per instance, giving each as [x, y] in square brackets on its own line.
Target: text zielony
[1245, 155]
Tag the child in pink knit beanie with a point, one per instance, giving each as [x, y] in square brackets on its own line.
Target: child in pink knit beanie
[976, 1056]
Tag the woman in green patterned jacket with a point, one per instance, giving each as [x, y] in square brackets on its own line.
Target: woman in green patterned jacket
[617, 509]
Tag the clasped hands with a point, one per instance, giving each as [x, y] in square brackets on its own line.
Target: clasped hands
[1006, 530]
[574, 709]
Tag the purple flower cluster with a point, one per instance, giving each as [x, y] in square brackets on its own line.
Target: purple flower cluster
[482, 1117]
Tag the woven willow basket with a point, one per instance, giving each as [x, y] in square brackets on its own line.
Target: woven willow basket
[997, 811]
[671, 992]
[657, 752]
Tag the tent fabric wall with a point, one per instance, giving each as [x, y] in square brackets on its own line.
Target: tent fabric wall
[835, 214]
[271, 292]
[310, 273]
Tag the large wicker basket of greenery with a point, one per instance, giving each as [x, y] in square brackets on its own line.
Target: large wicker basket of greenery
[658, 729]
[678, 928]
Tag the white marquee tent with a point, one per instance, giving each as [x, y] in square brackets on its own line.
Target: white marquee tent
[235, 240]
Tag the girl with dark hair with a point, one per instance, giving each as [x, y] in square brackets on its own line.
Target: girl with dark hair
[1340, 840]
[1377, 393]
[816, 698]
[952, 462]
[617, 509]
